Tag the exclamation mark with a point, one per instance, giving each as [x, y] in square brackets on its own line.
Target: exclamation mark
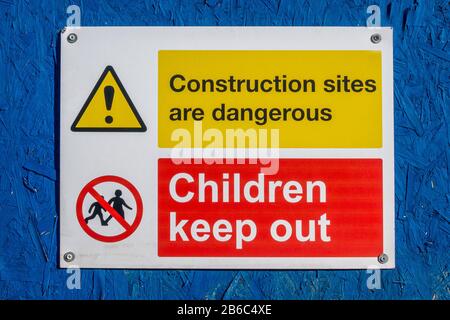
[109, 97]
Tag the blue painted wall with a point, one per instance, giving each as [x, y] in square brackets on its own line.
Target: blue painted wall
[28, 202]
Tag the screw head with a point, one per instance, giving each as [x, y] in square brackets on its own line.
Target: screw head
[375, 38]
[72, 38]
[69, 256]
[383, 258]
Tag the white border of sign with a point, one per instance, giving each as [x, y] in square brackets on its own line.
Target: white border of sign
[133, 51]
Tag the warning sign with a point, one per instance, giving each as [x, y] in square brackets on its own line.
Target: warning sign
[108, 107]
[109, 208]
[266, 148]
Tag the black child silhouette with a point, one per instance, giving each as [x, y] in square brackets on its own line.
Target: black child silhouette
[97, 212]
[118, 203]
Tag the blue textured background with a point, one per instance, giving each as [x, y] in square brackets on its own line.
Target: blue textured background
[29, 219]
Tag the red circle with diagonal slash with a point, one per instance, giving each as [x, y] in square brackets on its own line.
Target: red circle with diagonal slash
[129, 228]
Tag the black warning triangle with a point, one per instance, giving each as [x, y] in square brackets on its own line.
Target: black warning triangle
[108, 108]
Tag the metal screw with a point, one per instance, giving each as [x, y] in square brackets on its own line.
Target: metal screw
[375, 38]
[69, 256]
[72, 38]
[383, 258]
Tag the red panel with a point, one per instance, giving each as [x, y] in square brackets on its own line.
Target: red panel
[354, 208]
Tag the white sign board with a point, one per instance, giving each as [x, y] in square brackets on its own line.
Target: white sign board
[235, 147]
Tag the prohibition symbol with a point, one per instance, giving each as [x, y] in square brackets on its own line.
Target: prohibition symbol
[115, 203]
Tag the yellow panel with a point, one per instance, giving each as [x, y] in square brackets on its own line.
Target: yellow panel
[113, 113]
[350, 118]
